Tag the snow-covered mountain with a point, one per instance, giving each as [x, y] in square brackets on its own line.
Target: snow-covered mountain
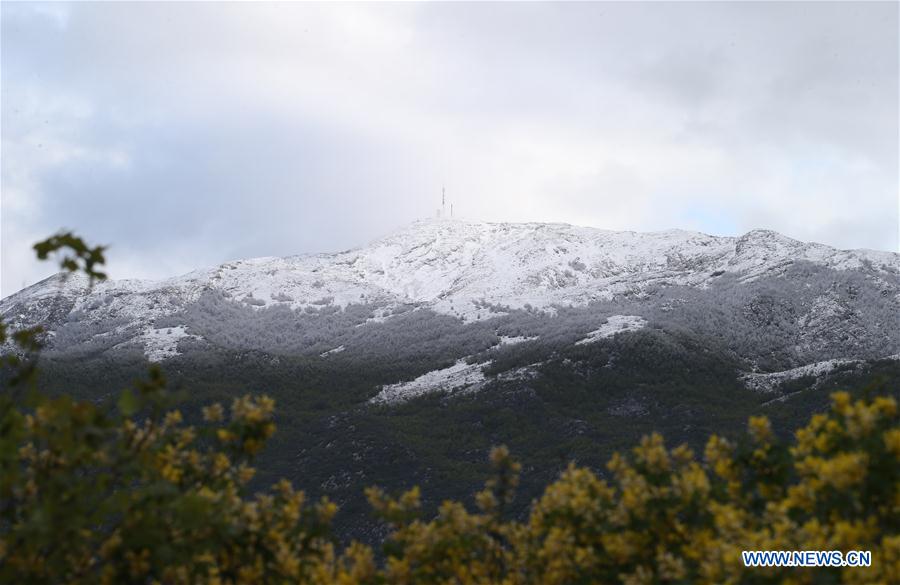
[475, 272]
[455, 267]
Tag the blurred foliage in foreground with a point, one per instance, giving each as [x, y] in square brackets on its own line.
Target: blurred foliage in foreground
[135, 494]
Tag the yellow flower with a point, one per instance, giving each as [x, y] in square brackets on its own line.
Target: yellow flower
[110, 545]
[615, 544]
[652, 453]
[206, 493]
[760, 429]
[671, 568]
[840, 402]
[641, 576]
[172, 418]
[892, 441]
[171, 473]
[861, 420]
[245, 473]
[220, 463]
[886, 405]
[213, 413]
[842, 471]
[252, 446]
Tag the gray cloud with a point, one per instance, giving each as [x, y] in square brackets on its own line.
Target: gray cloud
[189, 134]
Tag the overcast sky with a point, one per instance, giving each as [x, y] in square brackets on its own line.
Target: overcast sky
[185, 135]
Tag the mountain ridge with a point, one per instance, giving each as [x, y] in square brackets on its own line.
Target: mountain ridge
[475, 271]
[411, 236]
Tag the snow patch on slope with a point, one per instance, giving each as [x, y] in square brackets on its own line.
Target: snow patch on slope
[160, 344]
[615, 324]
[769, 382]
[337, 349]
[457, 377]
[507, 340]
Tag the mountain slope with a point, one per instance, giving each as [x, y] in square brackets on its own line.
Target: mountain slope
[462, 269]
[436, 305]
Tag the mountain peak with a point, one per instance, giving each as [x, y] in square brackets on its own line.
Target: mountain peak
[766, 235]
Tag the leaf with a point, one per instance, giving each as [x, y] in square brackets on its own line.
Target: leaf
[128, 404]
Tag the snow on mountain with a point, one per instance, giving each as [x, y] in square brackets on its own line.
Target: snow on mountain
[337, 349]
[769, 382]
[463, 376]
[162, 343]
[615, 324]
[505, 340]
[459, 376]
[458, 268]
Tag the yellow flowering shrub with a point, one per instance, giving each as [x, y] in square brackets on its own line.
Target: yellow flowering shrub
[88, 497]
[665, 516]
[456, 546]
